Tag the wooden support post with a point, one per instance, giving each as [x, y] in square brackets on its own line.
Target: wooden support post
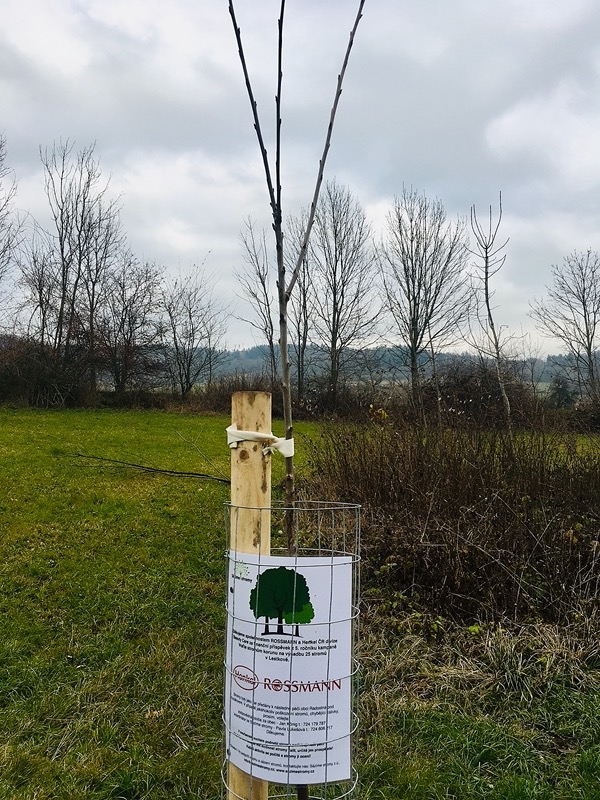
[250, 525]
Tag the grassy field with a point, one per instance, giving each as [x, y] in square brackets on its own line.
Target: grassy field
[111, 601]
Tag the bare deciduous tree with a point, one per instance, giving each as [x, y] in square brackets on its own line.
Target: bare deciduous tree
[571, 314]
[285, 286]
[39, 280]
[65, 271]
[490, 259]
[192, 331]
[105, 244]
[423, 259]
[256, 287]
[128, 328]
[71, 185]
[341, 268]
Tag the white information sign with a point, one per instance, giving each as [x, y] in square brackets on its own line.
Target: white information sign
[288, 667]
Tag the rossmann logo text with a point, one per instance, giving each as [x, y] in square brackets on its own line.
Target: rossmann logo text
[248, 680]
[275, 685]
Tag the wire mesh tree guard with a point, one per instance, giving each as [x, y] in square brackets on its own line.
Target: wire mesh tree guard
[291, 665]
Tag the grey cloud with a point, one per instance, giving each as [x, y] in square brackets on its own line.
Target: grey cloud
[428, 89]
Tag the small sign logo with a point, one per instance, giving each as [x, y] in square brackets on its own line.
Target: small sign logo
[241, 571]
[245, 678]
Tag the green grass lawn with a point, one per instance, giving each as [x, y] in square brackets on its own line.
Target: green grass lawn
[111, 652]
[111, 603]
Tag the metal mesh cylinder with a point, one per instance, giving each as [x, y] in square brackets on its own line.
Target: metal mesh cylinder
[291, 666]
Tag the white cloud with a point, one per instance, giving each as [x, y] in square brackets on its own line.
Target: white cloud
[48, 34]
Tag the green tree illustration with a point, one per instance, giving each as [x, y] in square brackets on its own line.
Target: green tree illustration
[300, 616]
[282, 594]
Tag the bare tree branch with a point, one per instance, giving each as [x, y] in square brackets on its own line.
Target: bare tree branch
[256, 287]
[263, 150]
[323, 160]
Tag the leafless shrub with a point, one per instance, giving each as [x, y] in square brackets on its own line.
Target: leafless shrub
[458, 524]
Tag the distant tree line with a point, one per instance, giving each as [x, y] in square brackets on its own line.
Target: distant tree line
[82, 317]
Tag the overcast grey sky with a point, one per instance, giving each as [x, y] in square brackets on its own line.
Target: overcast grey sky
[459, 100]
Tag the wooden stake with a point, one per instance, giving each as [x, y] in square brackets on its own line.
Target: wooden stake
[250, 525]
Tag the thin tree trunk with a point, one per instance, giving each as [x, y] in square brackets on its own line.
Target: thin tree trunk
[285, 289]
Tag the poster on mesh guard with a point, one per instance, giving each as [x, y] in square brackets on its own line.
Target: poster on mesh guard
[288, 667]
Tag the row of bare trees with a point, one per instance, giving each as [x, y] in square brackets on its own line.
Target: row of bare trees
[91, 315]
[352, 294]
[427, 285]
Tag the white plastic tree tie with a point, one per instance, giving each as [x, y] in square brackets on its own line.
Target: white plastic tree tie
[272, 443]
